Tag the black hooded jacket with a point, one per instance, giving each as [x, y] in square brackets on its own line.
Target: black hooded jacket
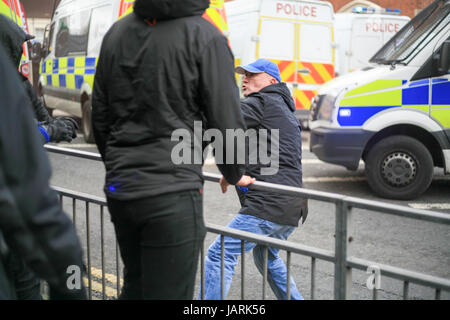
[31, 220]
[160, 69]
[273, 108]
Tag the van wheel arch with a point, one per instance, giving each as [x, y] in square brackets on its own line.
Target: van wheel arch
[422, 135]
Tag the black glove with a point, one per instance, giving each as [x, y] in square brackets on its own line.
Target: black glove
[71, 124]
[58, 131]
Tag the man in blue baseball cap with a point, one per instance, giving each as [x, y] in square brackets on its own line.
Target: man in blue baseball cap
[258, 75]
[268, 106]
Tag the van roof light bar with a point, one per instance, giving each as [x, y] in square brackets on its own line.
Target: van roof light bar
[362, 10]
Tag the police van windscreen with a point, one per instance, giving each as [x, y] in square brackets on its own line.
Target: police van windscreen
[415, 35]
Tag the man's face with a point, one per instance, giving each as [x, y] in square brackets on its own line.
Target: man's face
[254, 82]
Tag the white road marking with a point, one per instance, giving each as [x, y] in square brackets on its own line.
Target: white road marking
[75, 145]
[333, 179]
[428, 206]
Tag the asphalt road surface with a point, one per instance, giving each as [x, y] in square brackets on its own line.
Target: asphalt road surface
[401, 242]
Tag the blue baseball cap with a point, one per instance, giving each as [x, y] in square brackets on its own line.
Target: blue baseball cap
[259, 66]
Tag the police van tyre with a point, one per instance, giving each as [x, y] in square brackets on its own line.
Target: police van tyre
[86, 123]
[399, 167]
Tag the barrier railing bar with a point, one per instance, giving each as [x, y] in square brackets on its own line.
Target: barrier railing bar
[74, 212]
[242, 270]
[222, 267]
[102, 240]
[272, 242]
[202, 272]
[343, 264]
[88, 245]
[288, 275]
[311, 194]
[117, 269]
[401, 274]
[405, 290]
[264, 286]
[313, 277]
[342, 275]
[437, 295]
[374, 294]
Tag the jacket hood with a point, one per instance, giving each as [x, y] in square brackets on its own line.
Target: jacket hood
[169, 9]
[283, 90]
[12, 38]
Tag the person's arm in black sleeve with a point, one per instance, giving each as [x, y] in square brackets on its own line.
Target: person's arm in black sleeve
[100, 123]
[220, 97]
[39, 109]
[253, 110]
[32, 221]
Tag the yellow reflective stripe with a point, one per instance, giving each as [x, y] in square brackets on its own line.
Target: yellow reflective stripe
[307, 78]
[55, 80]
[438, 106]
[237, 62]
[385, 98]
[70, 81]
[89, 78]
[80, 62]
[49, 66]
[374, 86]
[423, 107]
[326, 76]
[442, 116]
[216, 3]
[217, 19]
[301, 96]
[288, 71]
[62, 63]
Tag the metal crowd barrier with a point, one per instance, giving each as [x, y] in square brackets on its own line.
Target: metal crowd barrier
[342, 259]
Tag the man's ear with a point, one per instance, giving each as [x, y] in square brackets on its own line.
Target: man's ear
[273, 80]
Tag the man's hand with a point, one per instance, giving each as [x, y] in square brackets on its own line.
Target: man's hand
[245, 181]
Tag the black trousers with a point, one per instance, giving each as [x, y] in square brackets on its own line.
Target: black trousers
[159, 239]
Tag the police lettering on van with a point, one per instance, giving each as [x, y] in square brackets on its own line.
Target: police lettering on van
[395, 113]
[298, 36]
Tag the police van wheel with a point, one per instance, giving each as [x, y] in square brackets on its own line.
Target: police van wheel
[399, 167]
[86, 123]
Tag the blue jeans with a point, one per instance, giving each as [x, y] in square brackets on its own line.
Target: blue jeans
[276, 269]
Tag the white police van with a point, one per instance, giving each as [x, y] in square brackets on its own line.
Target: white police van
[395, 113]
[361, 33]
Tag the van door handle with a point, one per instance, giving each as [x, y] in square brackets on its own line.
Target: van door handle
[304, 71]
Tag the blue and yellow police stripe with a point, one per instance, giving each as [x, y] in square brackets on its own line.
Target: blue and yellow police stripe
[69, 72]
[361, 103]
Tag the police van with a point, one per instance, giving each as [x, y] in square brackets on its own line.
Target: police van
[361, 33]
[296, 35]
[393, 114]
[72, 49]
[14, 10]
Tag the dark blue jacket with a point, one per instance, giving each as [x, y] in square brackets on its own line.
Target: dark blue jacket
[269, 109]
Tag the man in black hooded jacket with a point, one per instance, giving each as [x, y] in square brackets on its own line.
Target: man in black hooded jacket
[32, 225]
[160, 69]
[12, 37]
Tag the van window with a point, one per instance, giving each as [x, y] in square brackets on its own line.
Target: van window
[415, 35]
[50, 38]
[101, 21]
[315, 43]
[72, 34]
[276, 39]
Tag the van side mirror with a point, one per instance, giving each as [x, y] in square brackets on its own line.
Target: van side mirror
[444, 58]
[37, 50]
